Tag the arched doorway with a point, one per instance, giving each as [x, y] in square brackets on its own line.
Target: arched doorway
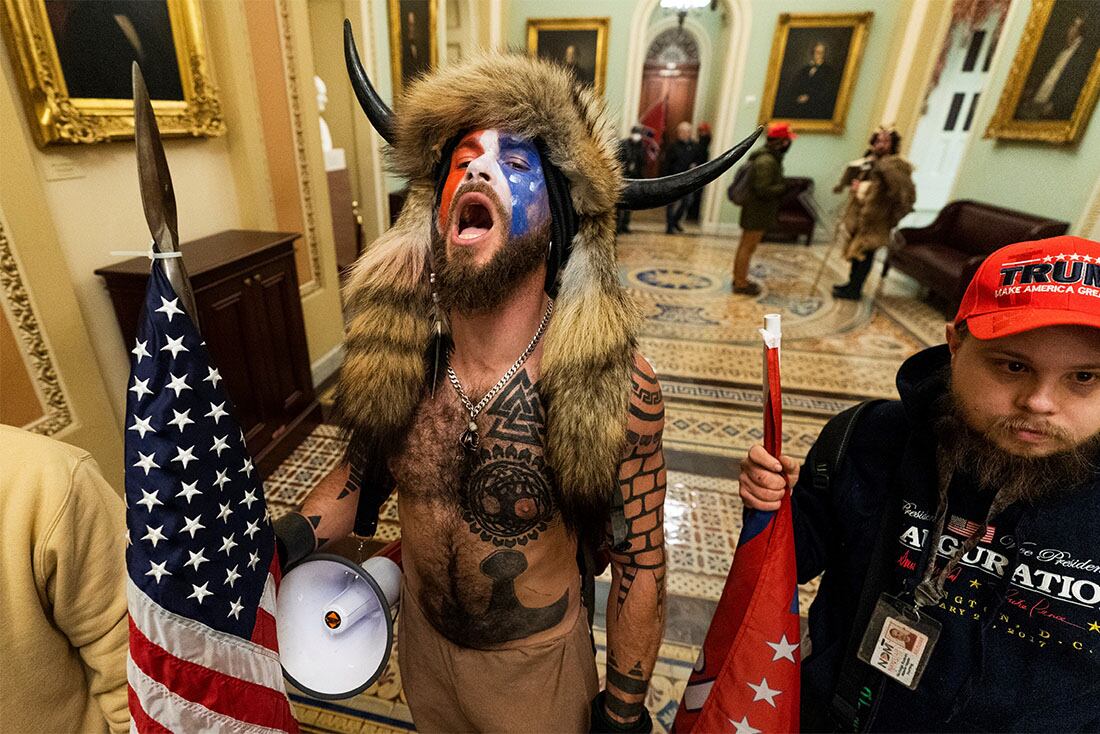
[670, 75]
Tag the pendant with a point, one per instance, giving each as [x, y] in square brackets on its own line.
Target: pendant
[470, 438]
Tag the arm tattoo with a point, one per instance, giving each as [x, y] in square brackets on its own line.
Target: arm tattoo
[632, 683]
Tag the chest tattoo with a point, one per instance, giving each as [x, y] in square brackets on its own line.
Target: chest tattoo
[508, 500]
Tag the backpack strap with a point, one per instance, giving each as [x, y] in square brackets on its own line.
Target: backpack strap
[832, 444]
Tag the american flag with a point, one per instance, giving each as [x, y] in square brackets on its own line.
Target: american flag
[201, 552]
[746, 679]
[967, 528]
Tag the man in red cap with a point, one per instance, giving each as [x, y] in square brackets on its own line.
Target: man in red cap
[760, 212]
[992, 459]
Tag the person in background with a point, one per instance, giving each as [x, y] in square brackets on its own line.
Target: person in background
[65, 634]
[679, 157]
[761, 209]
[632, 159]
[967, 511]
[703, 138]
[881, 193]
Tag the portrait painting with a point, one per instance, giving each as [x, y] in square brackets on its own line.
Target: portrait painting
[1052, 86]
[76, 58]
[813, 67]
[412, 40]
[578, 44]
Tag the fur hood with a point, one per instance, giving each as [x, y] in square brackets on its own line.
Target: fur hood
[588, 347]
[890, 196]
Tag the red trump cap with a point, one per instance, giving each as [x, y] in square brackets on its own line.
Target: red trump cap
[1029, 285]
[781, 130]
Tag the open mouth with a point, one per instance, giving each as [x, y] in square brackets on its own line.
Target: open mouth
[474, 220]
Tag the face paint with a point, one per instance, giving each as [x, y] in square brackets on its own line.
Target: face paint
[510, 166]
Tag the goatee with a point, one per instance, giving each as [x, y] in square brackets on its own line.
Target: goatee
[1011, 478]
[467, 287]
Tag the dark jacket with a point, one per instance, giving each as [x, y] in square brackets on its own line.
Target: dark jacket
[632, 158]
[1020, 646]
[761, 209]
[680, 156]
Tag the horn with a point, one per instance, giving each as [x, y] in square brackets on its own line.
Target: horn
[378, 112]
[649, 193]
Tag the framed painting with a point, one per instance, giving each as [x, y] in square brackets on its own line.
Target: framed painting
[1052, 86]
[412, 40]
[578, 44]
[72, 61]
[812, 70]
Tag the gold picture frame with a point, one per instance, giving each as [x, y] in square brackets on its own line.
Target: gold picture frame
[552, 38]
[406, 58]
[56, 116]
[813, 95]
[1057, 114]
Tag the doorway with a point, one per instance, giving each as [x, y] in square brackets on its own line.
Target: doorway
[671, 75]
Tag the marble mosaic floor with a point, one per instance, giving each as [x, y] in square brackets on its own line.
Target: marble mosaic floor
[704, 345]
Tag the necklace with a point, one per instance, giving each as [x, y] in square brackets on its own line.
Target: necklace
[470, 438]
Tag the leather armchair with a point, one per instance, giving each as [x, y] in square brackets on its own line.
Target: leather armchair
[795, 218]
[945, 255]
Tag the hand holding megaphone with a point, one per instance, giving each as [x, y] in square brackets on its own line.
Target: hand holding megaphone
[334, 620]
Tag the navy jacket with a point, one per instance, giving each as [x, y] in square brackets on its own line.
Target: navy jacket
[1020, 646]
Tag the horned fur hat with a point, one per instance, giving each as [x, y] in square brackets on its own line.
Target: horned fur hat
[588, 348]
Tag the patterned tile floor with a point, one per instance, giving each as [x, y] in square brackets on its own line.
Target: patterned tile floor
[704, 344]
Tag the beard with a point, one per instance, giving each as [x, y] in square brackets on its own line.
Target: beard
[1010, 477]
[467, 287]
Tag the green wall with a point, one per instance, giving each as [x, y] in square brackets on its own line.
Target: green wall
[1051, 180]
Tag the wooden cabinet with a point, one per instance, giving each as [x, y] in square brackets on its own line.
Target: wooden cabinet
[250, 314]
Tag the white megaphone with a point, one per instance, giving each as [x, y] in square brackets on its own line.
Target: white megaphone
[334, 620]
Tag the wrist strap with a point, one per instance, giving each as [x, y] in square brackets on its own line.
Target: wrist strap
[294, 538]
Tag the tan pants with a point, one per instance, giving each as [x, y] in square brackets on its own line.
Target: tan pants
[545, 687]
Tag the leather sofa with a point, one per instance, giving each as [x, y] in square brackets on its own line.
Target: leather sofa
[795, 218]
[945, 255]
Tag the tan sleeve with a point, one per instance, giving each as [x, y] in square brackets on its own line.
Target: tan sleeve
[81, 568]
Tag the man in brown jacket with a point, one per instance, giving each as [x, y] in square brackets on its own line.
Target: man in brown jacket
[881, 193]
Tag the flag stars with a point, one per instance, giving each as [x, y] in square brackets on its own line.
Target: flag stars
[783, 649]
[140, 388]
[217, 411]
[180, 419]
[158, 570]
[235, 608]
[213, 378]
[140, 350]
[178, 384]
[142, 425]
[1075, 257]
[200, 592]
[222, 479]
[192, 525]
[154, 535]
[762, 692]
[249, 498]
[252, 529]
[196, 559]
[188, 491]
[228, 544]
[253, 559]
[149, 499]
[247, 468]
[184, 455]
[175, 346]
[224, 512]
[231, 576]
[220, 444]
[742, 726]
[147, 462]
[169, 308]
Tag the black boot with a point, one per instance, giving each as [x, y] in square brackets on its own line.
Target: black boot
[860, 269]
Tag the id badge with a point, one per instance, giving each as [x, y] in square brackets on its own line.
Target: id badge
[899, 640]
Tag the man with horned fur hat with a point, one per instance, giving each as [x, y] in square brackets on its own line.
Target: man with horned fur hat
[492, 376]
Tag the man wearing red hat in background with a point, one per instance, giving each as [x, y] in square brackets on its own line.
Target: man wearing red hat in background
[992, 458]
[760, 212]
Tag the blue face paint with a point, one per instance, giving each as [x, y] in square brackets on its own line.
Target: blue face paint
[522, 168]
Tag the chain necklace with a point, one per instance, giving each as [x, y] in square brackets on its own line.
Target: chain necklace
[470, 438]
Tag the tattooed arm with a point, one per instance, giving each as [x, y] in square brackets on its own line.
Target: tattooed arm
[327, 514]
[636, 603]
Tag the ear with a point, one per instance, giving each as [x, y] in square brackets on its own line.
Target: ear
[954, 339]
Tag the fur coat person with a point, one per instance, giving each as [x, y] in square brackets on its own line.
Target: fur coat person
[877, 205]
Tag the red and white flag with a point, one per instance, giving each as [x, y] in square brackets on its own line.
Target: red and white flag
[747, 677]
